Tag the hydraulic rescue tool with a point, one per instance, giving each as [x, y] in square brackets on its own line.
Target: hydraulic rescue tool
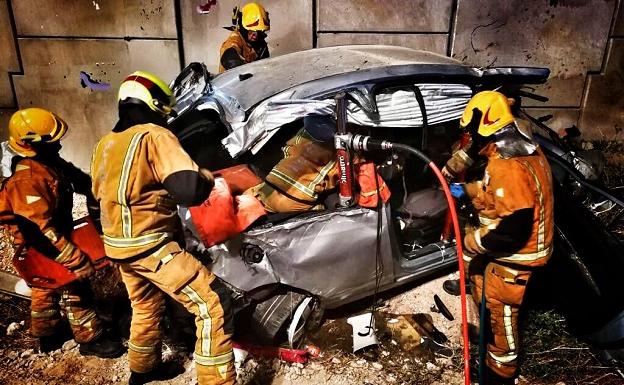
[346, 142]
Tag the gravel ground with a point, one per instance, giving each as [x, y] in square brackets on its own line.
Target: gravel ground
[336, 365]
[552, 356]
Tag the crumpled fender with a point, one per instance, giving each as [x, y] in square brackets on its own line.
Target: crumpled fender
[224, 215]
[42, 271]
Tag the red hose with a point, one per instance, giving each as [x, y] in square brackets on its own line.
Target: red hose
[360, 142]
[462, 281]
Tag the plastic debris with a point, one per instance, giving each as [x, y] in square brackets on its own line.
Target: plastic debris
[13, 328]
[206, 7]
[363, 331]
[289, 355]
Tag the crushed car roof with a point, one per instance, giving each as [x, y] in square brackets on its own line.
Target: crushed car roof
[251, 83]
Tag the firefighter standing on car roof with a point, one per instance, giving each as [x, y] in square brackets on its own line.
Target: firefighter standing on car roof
[514, 201]
[140, 173]
[246, 42]
[36, 206]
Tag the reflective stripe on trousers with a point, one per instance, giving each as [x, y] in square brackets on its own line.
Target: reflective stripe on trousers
[177, 273]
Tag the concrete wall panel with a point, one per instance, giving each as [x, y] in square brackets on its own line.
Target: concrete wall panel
[105, 18]
[291, 28]
[52, 80]
[8, 56]
[387, 15]
[429, 42]
[5, 116]
[603, 112]
[567, 36]
[562, 117]
[618, 28]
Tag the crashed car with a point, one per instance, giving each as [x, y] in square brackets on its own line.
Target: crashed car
[286, 269]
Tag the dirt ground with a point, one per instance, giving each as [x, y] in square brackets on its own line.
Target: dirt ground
[551, 355]
[336, 365]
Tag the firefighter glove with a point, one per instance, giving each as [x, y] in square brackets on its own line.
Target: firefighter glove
[84, 269]
[457, 190]
[471, 245]
[207, 175]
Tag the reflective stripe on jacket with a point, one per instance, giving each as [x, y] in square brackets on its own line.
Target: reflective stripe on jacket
[307, 169]
[128, 170]
[514, 184]
[35, 194]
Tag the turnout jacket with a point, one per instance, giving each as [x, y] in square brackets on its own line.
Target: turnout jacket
[236, 51]
[515, 205]
[139, 176]
[36, 206]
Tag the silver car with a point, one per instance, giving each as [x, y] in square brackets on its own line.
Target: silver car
[287, 269]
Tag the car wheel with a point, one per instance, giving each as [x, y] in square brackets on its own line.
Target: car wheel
[284, 318]
[307, 317]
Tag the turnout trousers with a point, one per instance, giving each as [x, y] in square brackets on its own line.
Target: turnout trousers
[174, 272]
[75, 300]
[505, 286]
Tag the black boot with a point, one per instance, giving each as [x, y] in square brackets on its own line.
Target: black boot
[55, 341]
[104, 347]
[164, 371]
[451, 286]
[50, 343]
[492, 378]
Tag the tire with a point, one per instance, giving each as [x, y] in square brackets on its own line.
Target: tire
[271, 319]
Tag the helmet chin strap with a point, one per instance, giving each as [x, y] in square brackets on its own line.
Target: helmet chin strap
[163, 108]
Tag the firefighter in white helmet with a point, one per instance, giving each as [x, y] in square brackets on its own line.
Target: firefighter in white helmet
[140, 173]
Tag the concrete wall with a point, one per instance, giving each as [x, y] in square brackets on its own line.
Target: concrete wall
[57, 40]
[602, 115]
[291, 28]
[44, 46]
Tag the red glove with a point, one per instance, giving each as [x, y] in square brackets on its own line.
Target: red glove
[84, 269]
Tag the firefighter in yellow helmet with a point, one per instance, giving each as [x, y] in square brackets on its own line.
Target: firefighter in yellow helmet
[514, 201]
[36, 206]
[247, 41]
[140, 174]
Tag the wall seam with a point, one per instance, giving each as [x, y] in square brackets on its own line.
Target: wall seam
[63, 37]
[387, 32]
[314, 24]
[179, 32]
[17, 54]
[452, 24]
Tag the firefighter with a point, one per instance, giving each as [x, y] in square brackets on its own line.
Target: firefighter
[307, 175]
[307, 171]
[36, 206]
[246, 42]
[140, 173]
[514, 201]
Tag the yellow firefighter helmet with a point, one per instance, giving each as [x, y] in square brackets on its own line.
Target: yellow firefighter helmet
[145, 87]
[495, 112]
[255, 18]
[34, 125]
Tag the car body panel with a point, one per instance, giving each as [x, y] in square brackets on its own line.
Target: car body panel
[254, 99]
[332, 255]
